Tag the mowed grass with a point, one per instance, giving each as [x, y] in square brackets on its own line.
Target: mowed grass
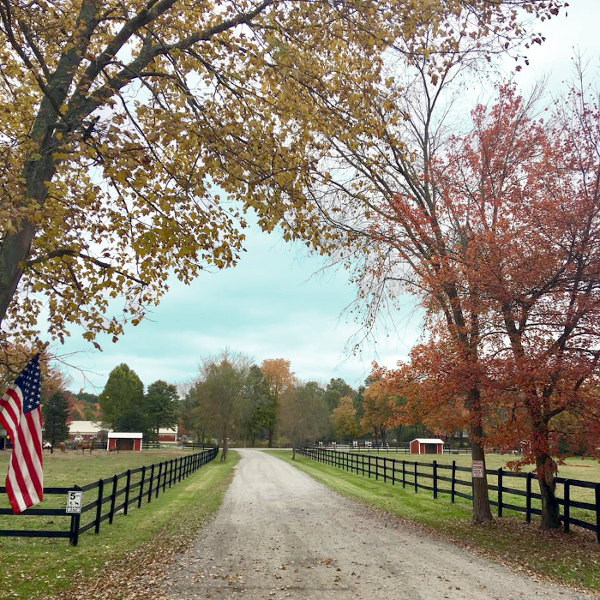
[574, 469]
[39, 567]
[572, 559]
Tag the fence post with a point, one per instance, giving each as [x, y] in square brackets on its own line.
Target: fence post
[528, 499]
[74, 528]
[128, 483]
[453, 481]
[150, 483]
[99, 505]
[598, 512]
[113, 498]
[500, 492]
[393, 471]
[435, 482]
[142, 480]
[166, 463]
[403, 473]
[567, 505]
[369, 463]
[160, 466]
[416, 473]
[377, 468]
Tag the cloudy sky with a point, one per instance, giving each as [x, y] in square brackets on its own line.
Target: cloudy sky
[277, 303]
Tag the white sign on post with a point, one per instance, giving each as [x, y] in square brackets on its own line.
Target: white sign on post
[477, 470]
[74, 500]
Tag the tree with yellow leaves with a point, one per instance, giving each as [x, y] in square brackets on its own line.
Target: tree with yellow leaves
[136, 133]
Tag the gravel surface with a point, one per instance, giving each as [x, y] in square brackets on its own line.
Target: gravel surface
[279, 534]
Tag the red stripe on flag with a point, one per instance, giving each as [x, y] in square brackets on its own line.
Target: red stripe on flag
[24, 481]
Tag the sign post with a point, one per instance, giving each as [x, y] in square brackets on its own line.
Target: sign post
[74, 502]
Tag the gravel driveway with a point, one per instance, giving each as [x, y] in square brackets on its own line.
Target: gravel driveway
[279, 534]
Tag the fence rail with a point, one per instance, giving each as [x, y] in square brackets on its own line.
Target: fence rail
[104, 498]
[445, 479]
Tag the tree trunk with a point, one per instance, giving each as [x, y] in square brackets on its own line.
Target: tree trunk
[546, 469]
[14, 251]
[481, 498]
[224, 446]
[293, 451]
[271, 433]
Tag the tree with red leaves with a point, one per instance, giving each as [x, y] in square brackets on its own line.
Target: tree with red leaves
[517, 220]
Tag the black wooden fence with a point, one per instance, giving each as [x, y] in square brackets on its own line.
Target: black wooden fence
[104, 498]
[445, 479]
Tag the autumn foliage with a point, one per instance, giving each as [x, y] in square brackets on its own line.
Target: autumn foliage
[512, 283]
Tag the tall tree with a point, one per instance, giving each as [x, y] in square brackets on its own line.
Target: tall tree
[344, 419]
[304, 415]
[519, 202]
[336, 389]
[219, 391]
[279, 377]
[531, 248]
[55, 415]
[376, 190]
[191, 414]
[160, 406]
[122, 400]
[125, 117]
[378, 405]
[259, 410]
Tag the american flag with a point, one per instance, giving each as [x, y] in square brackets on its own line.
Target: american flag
[20, 415]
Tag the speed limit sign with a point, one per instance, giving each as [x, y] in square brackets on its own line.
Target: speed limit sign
[74, 499]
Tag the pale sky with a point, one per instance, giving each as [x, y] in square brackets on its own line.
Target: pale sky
[276, 303]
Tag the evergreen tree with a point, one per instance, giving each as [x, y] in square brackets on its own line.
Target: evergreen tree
[122, 401]
[160, 406]
[55, 413]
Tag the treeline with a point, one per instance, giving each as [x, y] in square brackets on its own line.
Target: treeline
[235, 399]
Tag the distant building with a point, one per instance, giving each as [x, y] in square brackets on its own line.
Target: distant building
[427, 446]
[84, 430]
[118, 440]
[89, 429]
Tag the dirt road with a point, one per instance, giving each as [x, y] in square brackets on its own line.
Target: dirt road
[281, 535]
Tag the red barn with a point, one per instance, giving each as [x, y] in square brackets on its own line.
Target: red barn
[427, 446]
[124, 441]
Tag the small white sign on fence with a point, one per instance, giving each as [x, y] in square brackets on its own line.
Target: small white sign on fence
[477, 469]
[74, 500]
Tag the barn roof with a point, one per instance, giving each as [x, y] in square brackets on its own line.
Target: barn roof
[428, 440]
[125, 435]
[84, 427]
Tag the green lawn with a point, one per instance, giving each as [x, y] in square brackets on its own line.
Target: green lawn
[40, 567]
[574, 469]
[573, 559]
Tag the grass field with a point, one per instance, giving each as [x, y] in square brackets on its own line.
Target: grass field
[574, 469]
[39, 567]
[587, 469]
[573, 559]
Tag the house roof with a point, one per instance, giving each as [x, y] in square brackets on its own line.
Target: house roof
[84, 427]
[93, 427]
[428, 440]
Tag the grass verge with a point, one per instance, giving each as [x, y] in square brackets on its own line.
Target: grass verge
[105, 565]
[572, 559]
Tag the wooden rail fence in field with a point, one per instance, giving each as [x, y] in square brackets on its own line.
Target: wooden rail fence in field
[104, 498]
[580, 500]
